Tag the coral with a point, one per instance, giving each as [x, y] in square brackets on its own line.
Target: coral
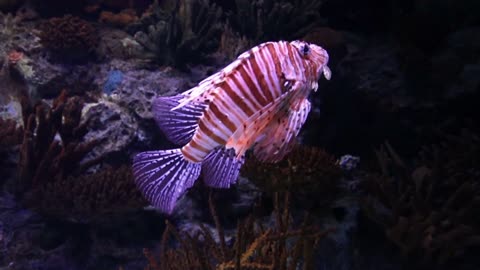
[91, 197]
[10, 133]
[273, 20]
[10, 136]
[115, 77]
[122, 18]
[14, 56]
[69, 37]
[233, 44]
[109, 124]
[184, 34]
[140, 86]
[17, 35]
[305, 171]
[429, 207]
[54, 161]
[283, 246]
[52, 147]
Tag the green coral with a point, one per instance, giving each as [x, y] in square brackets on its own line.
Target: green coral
[182, 34]
[265, 20]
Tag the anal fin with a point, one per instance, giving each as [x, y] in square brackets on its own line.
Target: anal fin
[221, 168]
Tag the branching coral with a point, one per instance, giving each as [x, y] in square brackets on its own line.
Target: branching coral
[69, 37]
[305, 171]
[255, 247]
[51, 147]
[273, 20]
[429, 210]
[52, 169]
[91, 196]
[181, 35]
[10, 133]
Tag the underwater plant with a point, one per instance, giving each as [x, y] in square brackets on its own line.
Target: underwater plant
[69, 38]
[429, 209]
[283, 245]
[306, 172]
[184, 33]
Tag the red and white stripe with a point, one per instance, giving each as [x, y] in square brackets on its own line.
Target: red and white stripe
[243, 88]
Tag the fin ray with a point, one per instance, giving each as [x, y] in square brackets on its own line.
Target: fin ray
[221, 168]
[163, 176]
[255, 125]
[179, 125]
[280, 136]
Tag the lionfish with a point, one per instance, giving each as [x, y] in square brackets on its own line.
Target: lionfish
[259, 100]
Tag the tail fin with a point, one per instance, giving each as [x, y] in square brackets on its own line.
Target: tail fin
[163, 176]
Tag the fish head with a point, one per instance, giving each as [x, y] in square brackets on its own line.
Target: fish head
[315, 55]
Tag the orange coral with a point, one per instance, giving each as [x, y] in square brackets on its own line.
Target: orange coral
[123, 18]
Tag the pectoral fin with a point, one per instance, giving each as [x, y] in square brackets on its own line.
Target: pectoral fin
[253, 127]
[280, 135]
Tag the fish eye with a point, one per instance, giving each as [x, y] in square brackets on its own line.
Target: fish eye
[305, 49]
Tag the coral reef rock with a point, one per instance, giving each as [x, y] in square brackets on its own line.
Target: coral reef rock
[16, 35]
[139, 86]
[45, 80]
[12, 110]
[109, 124]
[115, 43]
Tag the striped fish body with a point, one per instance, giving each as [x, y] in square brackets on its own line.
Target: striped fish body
[258, 100]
